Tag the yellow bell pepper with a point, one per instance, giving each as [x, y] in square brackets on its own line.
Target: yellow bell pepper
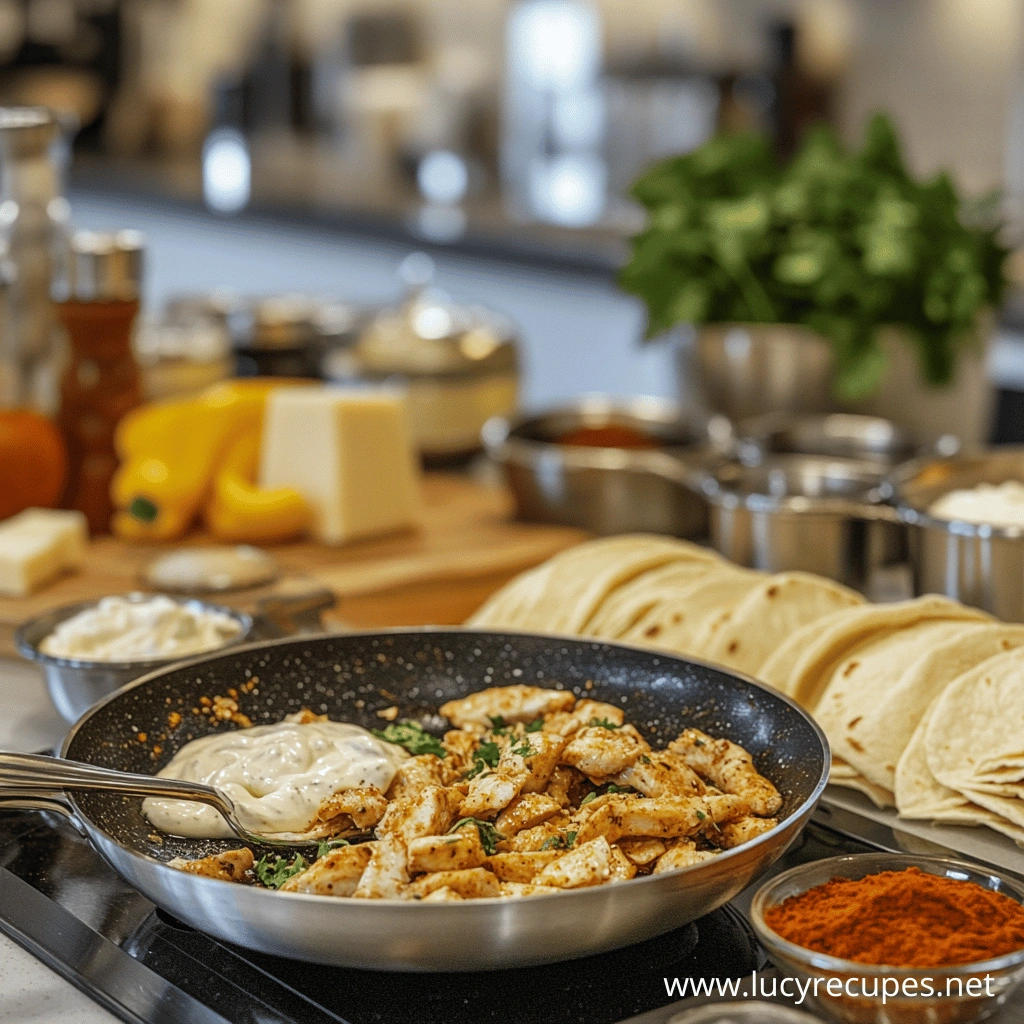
[170, 452]
[241, 511]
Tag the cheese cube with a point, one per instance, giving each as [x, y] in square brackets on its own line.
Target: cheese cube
[349, 453]
[37, 545]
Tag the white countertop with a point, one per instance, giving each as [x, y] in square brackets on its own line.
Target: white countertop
[30, 993]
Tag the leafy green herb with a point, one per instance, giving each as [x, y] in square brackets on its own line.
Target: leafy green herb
[644, 759]
[273, 876]
[698, 743]
[603, 723]
[588, 798]
[536, 725]
[412, 736]
[325, 846]
[524, 749]
[485, 756]
[701, 815]
[570, 839]
[612, 788]
[559, 842]
[489, 835]
[498, 725]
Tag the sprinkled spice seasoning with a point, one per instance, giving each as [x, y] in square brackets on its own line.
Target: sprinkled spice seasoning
[902, 919]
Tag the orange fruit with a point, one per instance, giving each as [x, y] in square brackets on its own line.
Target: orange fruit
[33, 462]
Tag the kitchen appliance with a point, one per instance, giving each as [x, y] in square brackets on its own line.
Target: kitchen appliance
[63, 903]
[351, 678]
[609, 490]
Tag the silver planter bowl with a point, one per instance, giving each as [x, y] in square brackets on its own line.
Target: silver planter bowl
[609, 490]
[75, 685]
[804, 512]
[977, 564]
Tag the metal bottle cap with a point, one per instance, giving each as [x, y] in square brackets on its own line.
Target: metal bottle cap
[105, 265]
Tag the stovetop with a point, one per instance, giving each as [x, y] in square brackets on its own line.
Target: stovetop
[61, 901]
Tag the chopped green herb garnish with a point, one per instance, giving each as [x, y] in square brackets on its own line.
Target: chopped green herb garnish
[273, 876]
[644, 759]
[590, 796]
[326, 845]
[603, 723]
[498, 725]
[612, 788]
[570, 839]
[698, 743]
[701, 815]
[489, 835]
[485, 756]
[536, 725]
[412, 736]
[524, 750]
[559, 842]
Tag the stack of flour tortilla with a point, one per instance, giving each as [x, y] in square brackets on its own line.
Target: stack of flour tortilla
[922, 701]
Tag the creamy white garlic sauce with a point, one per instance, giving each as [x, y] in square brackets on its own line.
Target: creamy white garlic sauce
[277, 776]
[992, 504]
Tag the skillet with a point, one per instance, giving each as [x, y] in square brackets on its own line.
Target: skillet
[350, 677]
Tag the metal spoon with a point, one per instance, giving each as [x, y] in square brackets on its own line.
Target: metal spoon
[33, 773]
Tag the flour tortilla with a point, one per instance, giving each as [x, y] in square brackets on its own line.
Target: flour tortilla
[626, 605]
[975, 736]
[843, 774]
[507, 608]
[770, 614]
[806, 680]
[778, 666]
[676, 622]
[870, 712]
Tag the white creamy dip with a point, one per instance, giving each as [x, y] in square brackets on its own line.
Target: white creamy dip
[994, 504]
[277, 776]
[116, 629]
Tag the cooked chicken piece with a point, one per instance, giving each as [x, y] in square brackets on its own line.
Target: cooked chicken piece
[526, 889]
[525, 811]
[460, 746]
[624, 814]
[492, 790]
[512, 703]
[556, 721]
[683, 854]
[430, 812]
[229, 866]
[304, 717]
[337, 873]
[386, 875]
[442, 895]
[588, 711]
[729, 767]
[567, 785]
[602, 753]
[642, 851]
[661, 774]
[726, 807]
[415, 774]
[534, 838]
[622, 868]
[737, 833]
[473, 884]
[365, 807]
[521, 867]
[587, 864]
[541, 753]
[461, 849]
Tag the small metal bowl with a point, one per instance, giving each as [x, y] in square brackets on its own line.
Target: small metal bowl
[75, 685]
[966, 1001]
[609, 490]
[978, 564]
[803, 512]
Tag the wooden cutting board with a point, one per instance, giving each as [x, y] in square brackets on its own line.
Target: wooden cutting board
[468, 546]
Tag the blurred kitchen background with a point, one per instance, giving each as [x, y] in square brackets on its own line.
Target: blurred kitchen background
[271, 147]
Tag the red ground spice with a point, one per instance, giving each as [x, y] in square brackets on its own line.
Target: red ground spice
[903, 918]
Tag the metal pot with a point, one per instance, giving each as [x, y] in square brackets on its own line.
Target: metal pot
[977, 564]
[609, 490]
[804, 512]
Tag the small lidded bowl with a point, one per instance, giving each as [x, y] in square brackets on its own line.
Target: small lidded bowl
[961, 994]
[75, 684]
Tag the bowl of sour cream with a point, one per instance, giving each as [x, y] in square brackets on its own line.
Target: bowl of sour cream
[966, 519]
[90, 649]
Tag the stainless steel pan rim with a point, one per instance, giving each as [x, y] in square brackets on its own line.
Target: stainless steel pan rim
[803, 811]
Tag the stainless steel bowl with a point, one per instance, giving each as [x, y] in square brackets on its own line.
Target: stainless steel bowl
[609, 490]
[807, 512]
[977, 564]
[76, 685]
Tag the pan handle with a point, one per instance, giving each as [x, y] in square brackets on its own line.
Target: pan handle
[12, 800]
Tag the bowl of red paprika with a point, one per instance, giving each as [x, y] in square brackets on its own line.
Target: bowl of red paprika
[895, 939]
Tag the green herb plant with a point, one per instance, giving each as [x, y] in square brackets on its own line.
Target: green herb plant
[489, 835]
[840, 242]
[412, 736]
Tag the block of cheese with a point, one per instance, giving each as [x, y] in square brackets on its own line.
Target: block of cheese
[37, 545]
[349, 453]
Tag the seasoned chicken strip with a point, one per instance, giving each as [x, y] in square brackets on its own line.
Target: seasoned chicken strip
[566, 785]
[534, 838]
[521, 867]
[541, 753]
[415, 774]
[460, 746]
[525, 811]
[386, 875]
[642, 851]
[587, 712]
[603, 753]
[661, 774]
[229, 866]
[511, 703]
[729, 767]
[526, 889]
[430, 813]
[442, 895]
[364, 806]
[726, 807]
[624, 814]
[683, 854]
[460, 850]
[474, 884]
[337, 873]
[737, 833]
[622, 868]
[492, 790]
[587, 864]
